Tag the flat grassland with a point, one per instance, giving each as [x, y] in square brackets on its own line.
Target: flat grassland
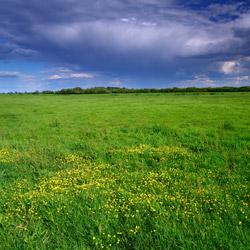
[125, 171]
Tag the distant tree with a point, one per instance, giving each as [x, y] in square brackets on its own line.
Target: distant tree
[47, 92]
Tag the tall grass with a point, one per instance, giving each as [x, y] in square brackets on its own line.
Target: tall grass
[124, 172]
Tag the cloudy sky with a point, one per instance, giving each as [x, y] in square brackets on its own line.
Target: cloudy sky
[49, 45]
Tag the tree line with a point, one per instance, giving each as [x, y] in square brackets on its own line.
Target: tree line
[117, 90]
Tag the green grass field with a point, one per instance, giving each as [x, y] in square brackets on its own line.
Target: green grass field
[125, 171]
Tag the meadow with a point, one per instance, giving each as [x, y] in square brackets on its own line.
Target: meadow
[125, 171]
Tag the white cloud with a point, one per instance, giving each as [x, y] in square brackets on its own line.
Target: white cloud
[116, 82]
[243, 22]
[20, 75]
[148, 24]
[81, 75]
[230, 67]
[56, 71]
[199, 81]
[242, 78]
[9, 73]
[54, 77]
[138, 22]
[125, 20]
[72, 75]
[247, 58]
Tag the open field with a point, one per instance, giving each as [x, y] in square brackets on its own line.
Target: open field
[125, 171]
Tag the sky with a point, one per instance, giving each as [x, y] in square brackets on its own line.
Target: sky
[50, 45]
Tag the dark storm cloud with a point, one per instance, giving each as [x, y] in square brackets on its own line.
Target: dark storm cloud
[13, 51]
[155, 37]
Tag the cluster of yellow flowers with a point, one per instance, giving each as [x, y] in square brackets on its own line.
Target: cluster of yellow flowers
[5, 156]
[123, 194]
[158, 154]
[72, 160]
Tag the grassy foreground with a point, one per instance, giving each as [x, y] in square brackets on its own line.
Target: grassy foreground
[125, 171]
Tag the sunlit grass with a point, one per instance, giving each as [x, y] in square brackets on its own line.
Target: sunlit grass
[125, 186]
[125, 204]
